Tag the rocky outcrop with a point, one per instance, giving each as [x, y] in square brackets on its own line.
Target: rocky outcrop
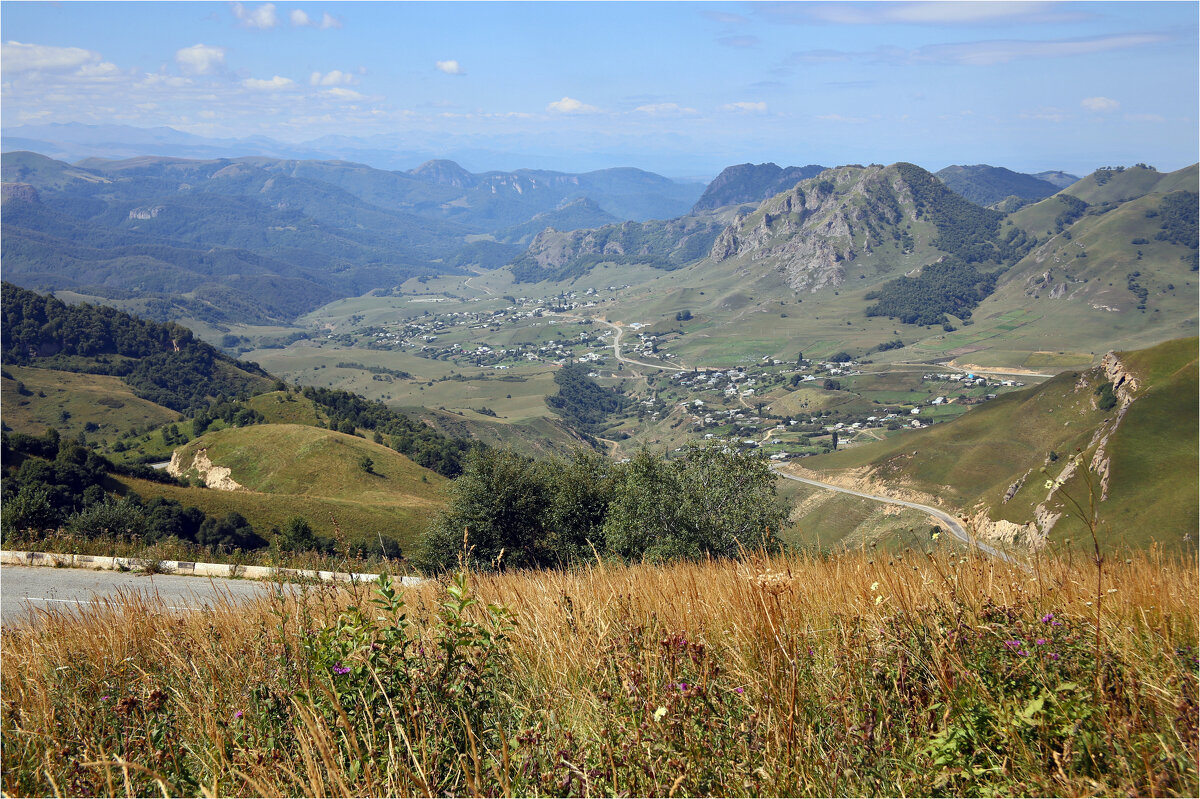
[149, 212]
[1029, 536]
[814, 230]
[1124, 382]
[218, 477]
[20, 191]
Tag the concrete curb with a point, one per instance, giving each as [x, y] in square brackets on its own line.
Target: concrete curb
[185, 567]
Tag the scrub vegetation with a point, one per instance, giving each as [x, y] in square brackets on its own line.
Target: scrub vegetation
[924, 673]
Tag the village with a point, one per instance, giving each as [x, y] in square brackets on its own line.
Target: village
[784, 409]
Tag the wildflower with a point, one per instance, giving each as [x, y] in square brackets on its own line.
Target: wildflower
[1053, 656]
[104, 698]
[658, 714]
[1041, 642]
[878, 599]
[875, 586]
[1012, 644]
[737, 690]
[338, 668]
[683, 686]
[1049, 617]
[237, 715]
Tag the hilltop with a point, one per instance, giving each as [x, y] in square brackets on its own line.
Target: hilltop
[751, 183]
[272, 473]
[988, 185]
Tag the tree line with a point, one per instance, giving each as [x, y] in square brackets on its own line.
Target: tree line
[510, 511]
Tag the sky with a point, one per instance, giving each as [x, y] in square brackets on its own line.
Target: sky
[679, 88]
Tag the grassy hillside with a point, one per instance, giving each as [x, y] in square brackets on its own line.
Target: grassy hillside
[99, 406]
[290, 470]
[991, 458]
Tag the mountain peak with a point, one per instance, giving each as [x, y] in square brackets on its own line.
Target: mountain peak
[752, 183]
[443, 172]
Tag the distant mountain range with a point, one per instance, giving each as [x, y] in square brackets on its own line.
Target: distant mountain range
[260, 239]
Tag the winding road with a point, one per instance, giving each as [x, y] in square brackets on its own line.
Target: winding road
[953, 524]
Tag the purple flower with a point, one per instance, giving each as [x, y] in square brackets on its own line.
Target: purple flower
[104, 698]
[683, 686]
[237, 715]
[738, 690]
[338, 668]
[1053, 656]
[1041, 642]
[1023, 653]
[1012, 644]
[1049, 617]
[1056, 624]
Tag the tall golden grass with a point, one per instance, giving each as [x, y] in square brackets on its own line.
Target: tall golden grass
[858, 674]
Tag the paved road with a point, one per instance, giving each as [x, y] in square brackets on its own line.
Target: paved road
[956, 528]
[26, 590]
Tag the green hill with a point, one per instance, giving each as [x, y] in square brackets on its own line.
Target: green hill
[1135, 454]
[285, 470]
[987, 185]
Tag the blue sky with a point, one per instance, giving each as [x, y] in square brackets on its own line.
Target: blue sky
[677, 88]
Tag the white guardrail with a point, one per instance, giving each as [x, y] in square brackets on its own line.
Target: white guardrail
[186, 567]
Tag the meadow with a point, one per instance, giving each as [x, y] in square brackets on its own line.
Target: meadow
[923, 672]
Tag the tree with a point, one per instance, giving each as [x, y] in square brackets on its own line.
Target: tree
[713, 501]
[834, 440]
[497, 504]
[366, 464]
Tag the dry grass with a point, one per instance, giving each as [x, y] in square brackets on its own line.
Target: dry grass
[857, 674]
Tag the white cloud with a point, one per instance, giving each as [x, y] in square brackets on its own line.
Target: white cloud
[200, 59]
[301, 19]
[102, 70]
[339, 93]
[19, 57]
[745, 107]
[450, 67]
[1100, 104]
[983, 53]
[332, 78]
[568, 105]
[665, 109]
[1145, 118]
[922, 13]
[840, 118]
[274, 84]
[262, 17]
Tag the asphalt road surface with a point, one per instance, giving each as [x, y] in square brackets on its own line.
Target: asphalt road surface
[27, 590]
[956, 528]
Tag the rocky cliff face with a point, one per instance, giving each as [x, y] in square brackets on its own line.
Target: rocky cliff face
[218, 477]
[676, 241]
[812, 231]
